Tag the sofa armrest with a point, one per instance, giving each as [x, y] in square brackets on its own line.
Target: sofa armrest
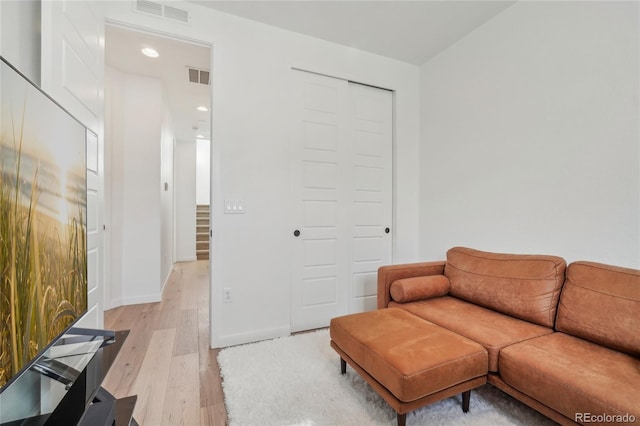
[388, 274]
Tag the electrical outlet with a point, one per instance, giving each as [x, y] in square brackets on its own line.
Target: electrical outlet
[226, 295]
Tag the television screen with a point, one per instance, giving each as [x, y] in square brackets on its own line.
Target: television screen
[43, 210]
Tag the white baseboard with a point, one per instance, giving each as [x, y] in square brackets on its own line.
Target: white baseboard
[250, 337]
[166, 280]
[148, 298]
[112, 304]
[187, 259]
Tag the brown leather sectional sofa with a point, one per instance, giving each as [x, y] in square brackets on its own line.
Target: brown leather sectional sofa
[564, 340]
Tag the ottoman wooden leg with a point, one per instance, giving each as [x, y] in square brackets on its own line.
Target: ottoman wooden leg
[466, 396]
[402, 419]
[343, 366]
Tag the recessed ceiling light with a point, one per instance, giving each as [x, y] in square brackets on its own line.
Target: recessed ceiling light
[202, 108]
[152, 53]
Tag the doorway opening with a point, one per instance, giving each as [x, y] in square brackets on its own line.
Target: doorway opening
[203, 198]
[157, 113]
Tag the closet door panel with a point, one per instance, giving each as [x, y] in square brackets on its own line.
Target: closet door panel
[341, 180]
[319, 251]
[371, 137]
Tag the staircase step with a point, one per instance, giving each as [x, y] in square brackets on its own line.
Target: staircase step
[202, 231]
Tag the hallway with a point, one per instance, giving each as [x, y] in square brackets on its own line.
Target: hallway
[166, 360]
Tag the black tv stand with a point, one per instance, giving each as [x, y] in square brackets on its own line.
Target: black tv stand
[84, 402]
[108, 410]
[57, 370]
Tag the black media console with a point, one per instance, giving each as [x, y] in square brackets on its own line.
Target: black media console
[63, 387]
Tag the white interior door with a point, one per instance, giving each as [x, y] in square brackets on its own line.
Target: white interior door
[342, 184]
[371, 137]
[73, 74]
[320, 252]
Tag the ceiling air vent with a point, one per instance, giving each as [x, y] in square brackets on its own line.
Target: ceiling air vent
[198, 76]
[149, 7]
[159, 9]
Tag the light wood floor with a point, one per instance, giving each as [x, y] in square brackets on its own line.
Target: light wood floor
[166, 360]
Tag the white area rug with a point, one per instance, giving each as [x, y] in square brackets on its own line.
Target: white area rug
[296, 380]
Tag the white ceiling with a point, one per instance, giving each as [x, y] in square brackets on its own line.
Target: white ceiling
[409, 31]
[123, 51]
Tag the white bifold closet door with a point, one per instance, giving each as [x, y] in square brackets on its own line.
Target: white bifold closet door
[342, 184]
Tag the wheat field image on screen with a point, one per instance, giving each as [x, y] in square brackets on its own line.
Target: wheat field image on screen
[43, 209]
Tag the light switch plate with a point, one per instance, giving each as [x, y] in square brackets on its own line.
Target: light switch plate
[233, 206]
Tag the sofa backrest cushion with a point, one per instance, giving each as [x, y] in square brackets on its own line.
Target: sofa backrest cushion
[419, 288]
[523, 286]
[601, 303]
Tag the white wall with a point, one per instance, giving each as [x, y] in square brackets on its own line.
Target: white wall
[20, 36]
[185, 200]
[530, 137]
[167, 187]
[203, 172]
[140, 139]
[251, 152]
[113, 197]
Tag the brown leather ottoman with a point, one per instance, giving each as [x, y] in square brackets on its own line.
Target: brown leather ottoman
[408, 361]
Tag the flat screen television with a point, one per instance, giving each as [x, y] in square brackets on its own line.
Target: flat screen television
[43, 222]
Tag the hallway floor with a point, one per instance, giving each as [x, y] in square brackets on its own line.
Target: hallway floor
[166, 360]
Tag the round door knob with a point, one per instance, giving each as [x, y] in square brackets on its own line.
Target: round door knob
[296, 233]
[387, 230]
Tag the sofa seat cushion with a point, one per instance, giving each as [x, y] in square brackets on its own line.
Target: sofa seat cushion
[410, 357]
[573, 376]
[525, 286]
[491, 329]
